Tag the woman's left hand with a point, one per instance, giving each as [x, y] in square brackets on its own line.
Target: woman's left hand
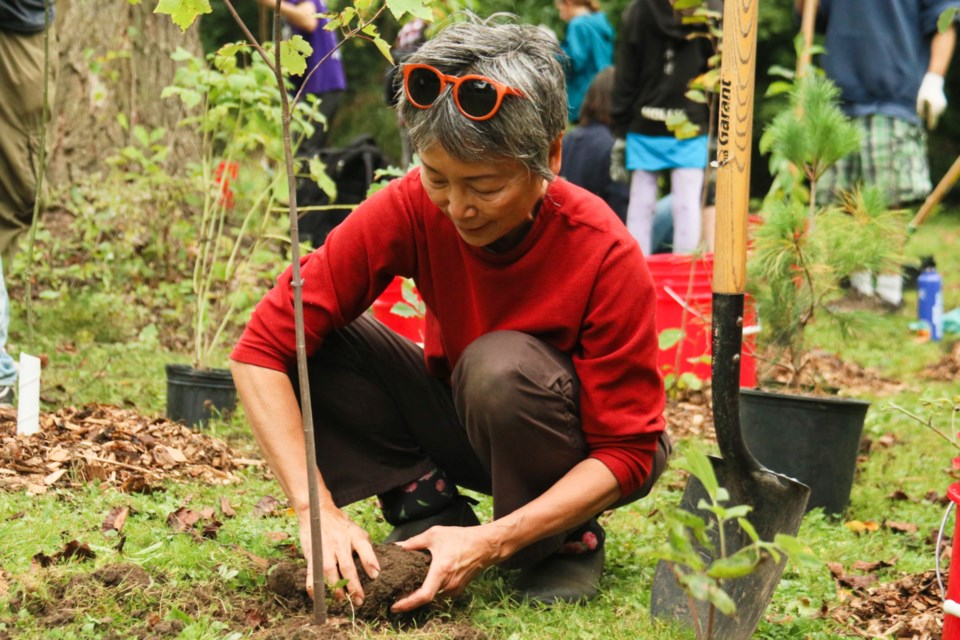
[458, 554]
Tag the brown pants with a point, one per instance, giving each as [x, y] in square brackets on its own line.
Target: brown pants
[508, 425]
[21, 120]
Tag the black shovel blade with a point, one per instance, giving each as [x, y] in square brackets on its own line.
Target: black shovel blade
[778, 504]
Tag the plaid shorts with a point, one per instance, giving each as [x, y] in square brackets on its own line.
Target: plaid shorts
[893, 155]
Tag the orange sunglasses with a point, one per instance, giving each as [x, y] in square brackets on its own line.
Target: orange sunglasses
[477, 97]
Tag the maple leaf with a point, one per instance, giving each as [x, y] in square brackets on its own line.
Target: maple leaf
[183, 12]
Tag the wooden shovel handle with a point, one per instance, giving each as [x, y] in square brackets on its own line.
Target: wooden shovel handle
[946, 183]
[734, 139]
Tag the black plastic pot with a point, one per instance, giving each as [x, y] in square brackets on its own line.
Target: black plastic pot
[194, 395]
[815, 440]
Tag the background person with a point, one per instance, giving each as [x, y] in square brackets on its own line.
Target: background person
[328, 82]
[540, 338]
[587, 45]
[587, 147]
[889, 65]
[656, 59]
[22, 26]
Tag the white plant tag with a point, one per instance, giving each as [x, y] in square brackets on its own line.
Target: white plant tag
[28, 396]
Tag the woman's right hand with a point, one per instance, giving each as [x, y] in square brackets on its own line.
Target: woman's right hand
[341, 537]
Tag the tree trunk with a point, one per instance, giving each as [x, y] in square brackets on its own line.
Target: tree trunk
[114, 58]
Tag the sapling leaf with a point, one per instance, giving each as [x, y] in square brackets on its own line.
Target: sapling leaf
[669, 338]
[416, 8]
[690, 380]
[748, 527]
[945, 21]
[403, 310]
[797, 551]
[293, 55]
[698, 464]
[183, 12]
[318, 173]
[740, 564]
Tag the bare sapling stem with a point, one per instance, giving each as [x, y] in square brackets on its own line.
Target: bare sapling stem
[927, 423]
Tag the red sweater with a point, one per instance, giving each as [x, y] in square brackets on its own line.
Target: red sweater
[578, 281]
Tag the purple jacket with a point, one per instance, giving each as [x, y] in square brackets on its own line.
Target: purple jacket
[329, 76]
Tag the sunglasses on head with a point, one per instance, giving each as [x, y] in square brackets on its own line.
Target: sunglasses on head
[477, 97]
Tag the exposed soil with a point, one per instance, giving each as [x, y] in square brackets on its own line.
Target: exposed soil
[282, 610]
[947, 368]
[401, 573]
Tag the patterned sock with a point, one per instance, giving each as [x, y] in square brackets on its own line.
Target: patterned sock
[587, 537]
[419, 499]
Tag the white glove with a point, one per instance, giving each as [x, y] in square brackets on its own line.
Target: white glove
[931, 101]
[618, 161]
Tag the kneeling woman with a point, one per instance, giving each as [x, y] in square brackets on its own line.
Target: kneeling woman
[537, 382]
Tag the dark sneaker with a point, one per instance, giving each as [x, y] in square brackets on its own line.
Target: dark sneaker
[8, 395]
[458, 513]
[562, 577]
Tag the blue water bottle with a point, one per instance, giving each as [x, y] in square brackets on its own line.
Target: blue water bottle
[930, 299]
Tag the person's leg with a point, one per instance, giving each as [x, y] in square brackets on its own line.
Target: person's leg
[519, 401]
[21, 124]
[663, 225]
[8, 370]
[386, 427]
[686, 187]
[643, 200]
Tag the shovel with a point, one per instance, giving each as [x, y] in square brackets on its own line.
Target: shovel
[777, 502]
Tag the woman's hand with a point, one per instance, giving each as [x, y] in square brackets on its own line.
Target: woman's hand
[458, 554]
[341, 538]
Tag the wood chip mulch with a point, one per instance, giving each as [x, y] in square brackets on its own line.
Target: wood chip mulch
[911, 607]
[827, 371]
[115, 446]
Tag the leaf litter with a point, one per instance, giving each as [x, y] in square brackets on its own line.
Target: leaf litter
[115, 446]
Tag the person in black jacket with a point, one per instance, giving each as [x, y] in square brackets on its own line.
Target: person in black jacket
[586, 149]
[656, 59]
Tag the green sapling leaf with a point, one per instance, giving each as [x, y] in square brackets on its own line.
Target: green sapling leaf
[183, 12]
[740, 564]
[669, 338]
[293, 55]
[416, 8]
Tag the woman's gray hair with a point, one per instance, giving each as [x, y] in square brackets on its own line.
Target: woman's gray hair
[521, 56]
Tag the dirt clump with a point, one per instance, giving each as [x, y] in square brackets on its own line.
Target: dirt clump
[947, 368]
[128, 575]
[401, 573]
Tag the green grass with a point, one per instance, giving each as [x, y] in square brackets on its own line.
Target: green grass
[100, 351]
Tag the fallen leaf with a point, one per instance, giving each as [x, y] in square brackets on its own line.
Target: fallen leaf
[17, 516]
[887, 440]
[898, 495]
[4, 585]
[261, 563]
[225, 508]
[182, 519]
[861, 527]
[901, 527]
[868, 567]
[254, 618]
[276, 536]
[74, 550]
[265, 507]
[208, 513]
[210, 529]
[836, 569]
[115, 519]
